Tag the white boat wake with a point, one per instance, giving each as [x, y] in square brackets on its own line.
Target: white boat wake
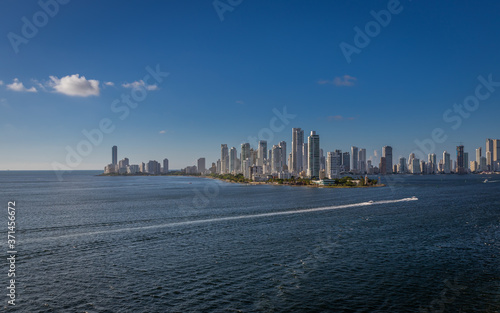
[228, 218]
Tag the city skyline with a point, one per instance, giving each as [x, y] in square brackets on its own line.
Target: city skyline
[317, 163]
[159, 93]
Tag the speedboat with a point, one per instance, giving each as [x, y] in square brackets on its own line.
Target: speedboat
[485, 181]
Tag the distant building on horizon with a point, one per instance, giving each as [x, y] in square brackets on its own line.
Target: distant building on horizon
[297, 143]
[114, 155]
[387, 154]
[201, 165]
[165, 166]
[313, 155]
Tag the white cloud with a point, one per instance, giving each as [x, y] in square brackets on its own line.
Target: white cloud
[162, 131]
[109, 83]
[19, 87]
[138, 84]
[1, 82]
[75, 85]
[345, 81]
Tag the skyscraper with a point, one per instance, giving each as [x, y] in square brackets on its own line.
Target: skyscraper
[382, 166]
[114, 155]
[387, 153]
[496, 151]
[489, 148]
[201, 165]
[431, 163]
[354, 159]
[362, 161]
[478, 158]
[233, 156]
[446, 163]
[245, 153]
[460, 160]
[165, 165]
[297, 142]
[402, 166]
[466, 161]
[346, 161]
[313, 155]
[262, 152]
[333, 164]
[282, 145]
[277, 162]
[305, 155]
[224, 158]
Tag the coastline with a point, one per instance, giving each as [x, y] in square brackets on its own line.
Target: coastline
[251, 183]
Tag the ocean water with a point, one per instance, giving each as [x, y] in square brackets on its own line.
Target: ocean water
[186, 244]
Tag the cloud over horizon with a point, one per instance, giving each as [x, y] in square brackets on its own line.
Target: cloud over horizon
[139, 84]
[19, 87]
[74, 85]
[344, 81]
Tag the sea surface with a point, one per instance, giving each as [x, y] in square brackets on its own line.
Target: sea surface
[185, 244]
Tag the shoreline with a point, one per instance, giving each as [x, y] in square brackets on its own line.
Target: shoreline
[249, 183]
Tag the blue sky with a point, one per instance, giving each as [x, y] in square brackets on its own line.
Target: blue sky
[225, 77]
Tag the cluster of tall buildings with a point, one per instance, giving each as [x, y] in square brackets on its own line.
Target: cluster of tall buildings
[306, 159]
[124, 167]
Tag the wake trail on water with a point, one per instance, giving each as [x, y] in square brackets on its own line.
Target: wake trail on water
[228, 218]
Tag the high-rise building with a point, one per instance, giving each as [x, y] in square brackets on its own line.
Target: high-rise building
[153, 167]
[446, 163]
[277, 162]
[297, 143]
[201, 165]
[482, 164]
[233, 156]
[346, 161]
[114, 155]
[224, 159]
[432, 163]
[473, 166]
[489, 161]
[354, 159]
[333, 164]
[489, 148]
[402, 166]
[123, 163]
[387, 153]
[496, 150]
[460, 160]
[165, 165]
[305, 155]
[478, 157]
[313, 155]
[282, 145]
[362, 161]
[262, 152]
[466, 161]
[382, 166]
[245, 153]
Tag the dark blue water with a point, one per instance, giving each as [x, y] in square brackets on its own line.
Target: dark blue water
[166, 244]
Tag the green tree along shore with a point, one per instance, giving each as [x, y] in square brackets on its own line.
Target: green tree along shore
[343, 182]
[338, 182]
